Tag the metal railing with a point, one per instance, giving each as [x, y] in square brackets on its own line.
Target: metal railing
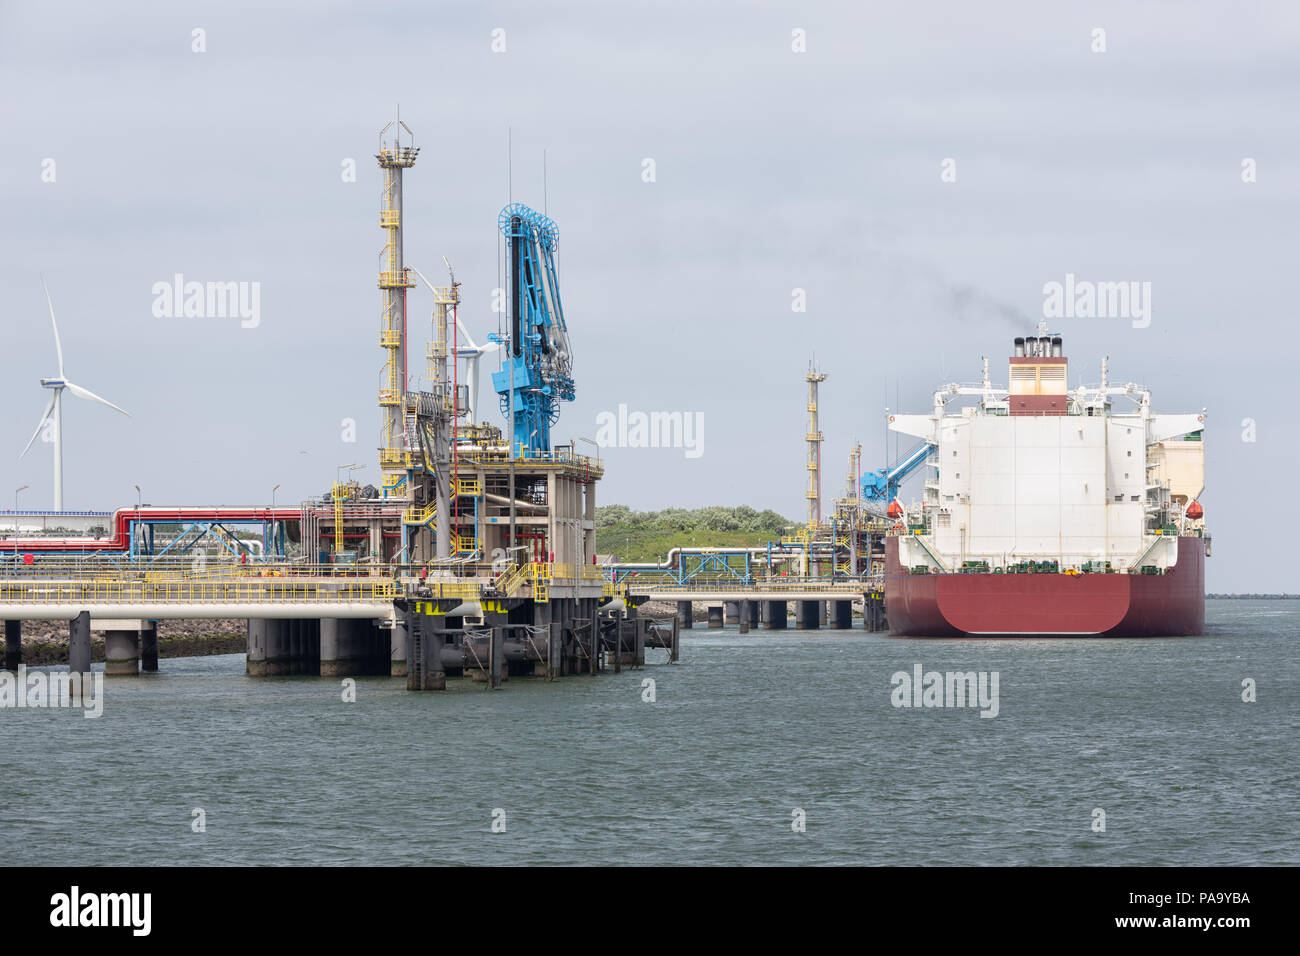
[109, 592]
[783, 585]
[558, 456]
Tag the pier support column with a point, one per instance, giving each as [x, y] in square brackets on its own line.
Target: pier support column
[13, 645]
[149, 647]
[685, 614]
[743, 616]
[715, 615]
[873, 611]
[397, 647]
[496, 657]
[554, 650]
[619, 617]
[821, 613]
[338, 647]
[255, 656]
[79, 644]
[424, 665]
[806, 617]
[731, 612]
[677, 641]
[841, 616]
[774, 614]
[293, 646]
[277, 647]
[122, 653]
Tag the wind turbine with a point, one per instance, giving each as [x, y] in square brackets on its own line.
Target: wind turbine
[471, 353]
[55, 405]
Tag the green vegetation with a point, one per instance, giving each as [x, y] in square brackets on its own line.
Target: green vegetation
[649, 535]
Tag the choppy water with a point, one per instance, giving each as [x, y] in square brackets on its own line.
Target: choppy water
[744, 731]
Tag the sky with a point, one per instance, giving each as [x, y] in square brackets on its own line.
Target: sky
[918, 171]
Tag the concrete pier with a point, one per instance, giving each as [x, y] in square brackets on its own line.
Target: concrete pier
[841, 615]
[715, 615]
[255, 653]
[685, 614]
[79, 644]
[397, 638]
[731, 612]
[277, 648]
[339, 647]
[268, 653]
[742, 616]
[122, 652]
[774, 615]
[149, 647]
[13, 645]
[293, 640]
[806, 616]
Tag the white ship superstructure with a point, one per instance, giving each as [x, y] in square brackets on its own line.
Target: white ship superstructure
[1090, 478]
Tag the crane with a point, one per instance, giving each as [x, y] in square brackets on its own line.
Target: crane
[882, 484]
[537, 372]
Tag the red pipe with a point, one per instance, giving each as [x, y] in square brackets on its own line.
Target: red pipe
[121, 539]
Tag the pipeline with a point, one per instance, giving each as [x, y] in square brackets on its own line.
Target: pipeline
[122, 518]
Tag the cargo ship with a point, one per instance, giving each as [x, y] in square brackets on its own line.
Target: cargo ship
[1048, 511]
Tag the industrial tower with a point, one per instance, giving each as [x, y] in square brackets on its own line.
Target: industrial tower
[814, 378]
[394, 280]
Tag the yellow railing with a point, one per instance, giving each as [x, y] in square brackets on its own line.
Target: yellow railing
[790, 587]
[513, 578]
[454, 590]
[107, 592]
[559, 456]
[420, 515]
[542, 573]
[471, 485]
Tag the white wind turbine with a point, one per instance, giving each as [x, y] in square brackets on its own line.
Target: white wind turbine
[471, 353]
[57, 385]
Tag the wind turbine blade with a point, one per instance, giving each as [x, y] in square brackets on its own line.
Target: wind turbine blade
[464, 334]
[422, 278]
[45, 416]
[58, 346]
[87, 393]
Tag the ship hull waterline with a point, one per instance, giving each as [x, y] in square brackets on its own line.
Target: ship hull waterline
[1048, 605]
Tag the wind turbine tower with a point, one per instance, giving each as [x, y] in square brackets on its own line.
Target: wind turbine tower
[57, 385]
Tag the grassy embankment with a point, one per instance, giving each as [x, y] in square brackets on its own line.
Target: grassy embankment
[649, 535]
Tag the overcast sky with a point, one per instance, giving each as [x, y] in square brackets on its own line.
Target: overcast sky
[775, 170]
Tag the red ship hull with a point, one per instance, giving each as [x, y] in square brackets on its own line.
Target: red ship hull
[1048, 605]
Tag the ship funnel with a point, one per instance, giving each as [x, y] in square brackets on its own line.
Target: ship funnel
[1020, 346]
